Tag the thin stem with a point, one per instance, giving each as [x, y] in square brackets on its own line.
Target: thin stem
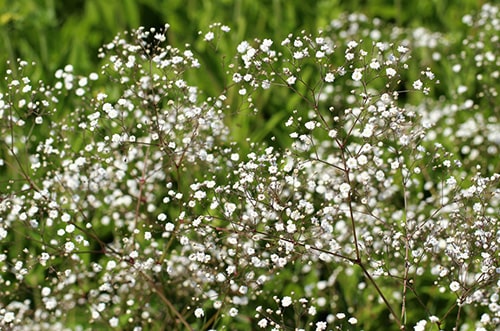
[169, 304]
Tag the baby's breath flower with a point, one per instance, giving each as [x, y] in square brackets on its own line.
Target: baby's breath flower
[390, 72]
[286, 301]
[417, 85]
[198, 313]
[329, 77]
[454, 286]
[357, 75]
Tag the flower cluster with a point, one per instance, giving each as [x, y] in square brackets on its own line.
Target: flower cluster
[131, 204]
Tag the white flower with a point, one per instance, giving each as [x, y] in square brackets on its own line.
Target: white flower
[233, 312]
[344, 189]
[420, 326]
[434, 319]
[9, 317]
[169, 227]
[362, 160]
[352, 163]
[199, 312]
[266, 44]
[417, 85]
[357, 75]
[375, 64]
[329, 77]
[113, 322]
[310, 125]
[367, 131]
[352, 44]
[242, 47]
[46, 291]
[298, 55]
[451, 181]
[262, 323]
[352, 320]
[454, 286]
[404, 140]
[286, 301]
[390, 72]
[402, 49]
[69, 246]
[291, 80]
[320, 326]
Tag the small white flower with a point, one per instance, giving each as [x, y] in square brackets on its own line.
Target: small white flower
[199, 312]
[390, 72]
[262, 323]
[113, 322]
[243, 46]
[320, 326]
[352, 320]
[266, 44]
[233, 312]
[357, 75]
[454, 286]
[310, 125]
[352, 163]
[69, 246]
[352, 44]
[367, 131]
[46, 291]
[420, 326]
[434, 319]
[209, 36]
[286, 301]
[298, 43]
[298, 55]
[402, 49]
[291, 80]
[417, 85]
[169, 227]
[451, 181]
[329, 77]
[404, 140]
[362, 160]
[344, 189]
[9, 317]
[375, 64]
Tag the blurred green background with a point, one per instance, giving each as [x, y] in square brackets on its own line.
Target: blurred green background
[54, 32]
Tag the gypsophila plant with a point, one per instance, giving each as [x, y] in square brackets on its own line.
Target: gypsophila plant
[128, 200]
